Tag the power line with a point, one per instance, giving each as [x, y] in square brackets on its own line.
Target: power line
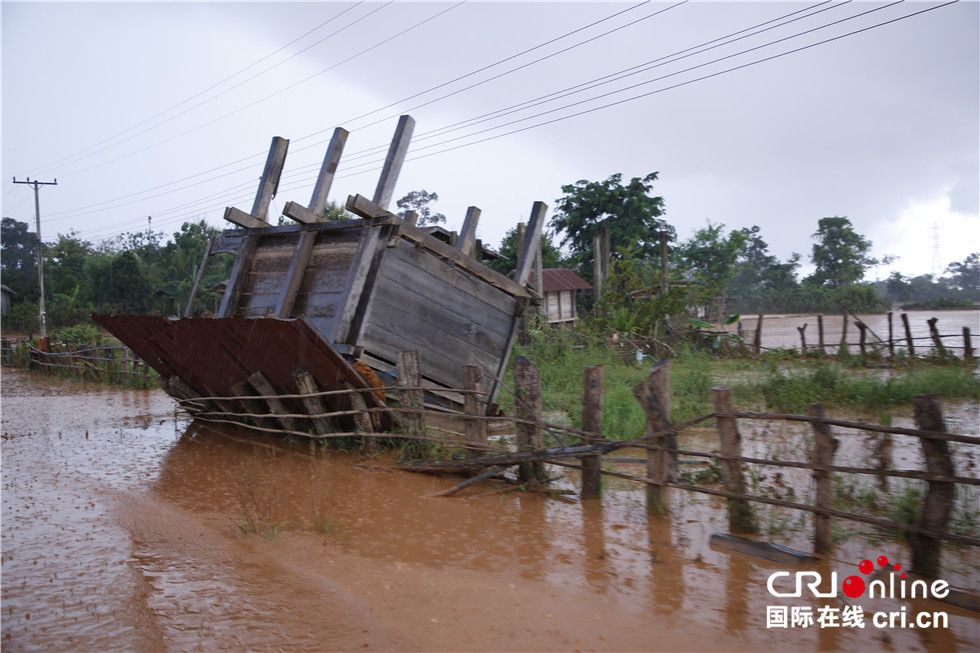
[76, 156]
[663, 89]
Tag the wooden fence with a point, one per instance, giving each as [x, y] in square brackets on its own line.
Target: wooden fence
[102, 363]
[869, 341]
[467, 430]
[584, 449]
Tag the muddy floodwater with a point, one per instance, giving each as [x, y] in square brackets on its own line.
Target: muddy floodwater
[128, 527]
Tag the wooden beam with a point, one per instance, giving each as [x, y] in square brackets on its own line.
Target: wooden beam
[468, 236]
[327, 171]
[239, 274]
[300, 213]
[263, 386]
[295, 274]
[307, 385]
[532, 242]
[393, 163]
[269, 184]
[197, 279]
[242, 219]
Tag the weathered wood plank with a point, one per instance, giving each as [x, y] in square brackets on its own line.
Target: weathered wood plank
[269, 184]
[527, 382]
[264, 387]
[739, 512]
[823, 454]
[467, 237]
[394, 160]
[327, 171]
[294, 275]
[300, 213]
[306, 384]
[592, 425]
[198, 277]
[242, 219]
[532, 242]
[938, 504]
[238, 277]
[473, 405]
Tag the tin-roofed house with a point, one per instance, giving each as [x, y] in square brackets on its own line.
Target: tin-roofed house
[559, 290]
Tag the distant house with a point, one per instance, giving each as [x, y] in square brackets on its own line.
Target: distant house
[558, 291]
[5, 294]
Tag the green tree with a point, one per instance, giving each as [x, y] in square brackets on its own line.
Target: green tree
[840, 254]
[629, 211]
[965, 276]
[419, 201]
[711, 256]
[18, 259]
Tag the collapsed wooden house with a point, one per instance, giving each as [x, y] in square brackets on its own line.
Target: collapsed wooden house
[309, 303]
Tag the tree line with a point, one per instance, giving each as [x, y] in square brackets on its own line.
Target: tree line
[146, 272]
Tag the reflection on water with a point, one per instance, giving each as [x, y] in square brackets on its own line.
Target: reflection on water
[124, 528]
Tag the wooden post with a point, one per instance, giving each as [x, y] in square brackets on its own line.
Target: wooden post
[891, 336]
[842, 348]
[238, 276]
[411, 217]
[307, 385]
[757, 342]
[531, 243]
[802, 331]
[862, 328]
[823, 347]
[592, 425]
[908, 334]
[654, 396]
[270, 178]
[938, 504]
[362, 418]
[527, 382]
[936, 339]
[409, 364]
[394, 161]
[331, 160]
[468, 236]
[197, 279]
[295, 273]
[476, 429]
[825, 445]
[263, 386]
[967, 345]
[739, 513]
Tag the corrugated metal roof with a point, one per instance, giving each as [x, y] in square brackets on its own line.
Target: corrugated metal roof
[558, 279]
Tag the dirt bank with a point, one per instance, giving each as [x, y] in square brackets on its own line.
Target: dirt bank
[125, 528]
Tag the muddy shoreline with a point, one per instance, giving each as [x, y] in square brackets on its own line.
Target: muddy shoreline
[123, 530]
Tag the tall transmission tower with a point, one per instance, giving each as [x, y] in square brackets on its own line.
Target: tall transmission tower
[936, 262]
[40, 255]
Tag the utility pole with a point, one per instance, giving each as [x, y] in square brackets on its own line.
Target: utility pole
[43, 343]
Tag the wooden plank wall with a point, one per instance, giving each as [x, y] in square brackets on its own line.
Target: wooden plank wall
[422, 302]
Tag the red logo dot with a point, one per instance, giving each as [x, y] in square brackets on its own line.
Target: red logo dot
[882, 561]
[853, 586]
[897, 566]
[865, 567]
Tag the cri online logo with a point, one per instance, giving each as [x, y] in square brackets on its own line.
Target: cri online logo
[855, 586]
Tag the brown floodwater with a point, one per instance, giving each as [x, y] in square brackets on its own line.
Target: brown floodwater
[127, 527]
[781, 331]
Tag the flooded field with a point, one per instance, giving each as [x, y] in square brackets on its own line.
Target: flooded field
[127, 527]
[780, 331]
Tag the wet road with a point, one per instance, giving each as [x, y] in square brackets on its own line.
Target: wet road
[125, 528]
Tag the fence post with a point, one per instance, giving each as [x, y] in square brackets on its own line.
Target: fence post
[842, 347]
[967, 345]
[739, 513]
[802, 331]
[863, 329]
[307, 385]
[825, 445]
[527, 382]
[908, 334]
[939, 498]
[409, 364]
[757, 342]
[592, 425]
[476, 429]
[934, 331]
[823, 349]
[654, 396]
[891, 336]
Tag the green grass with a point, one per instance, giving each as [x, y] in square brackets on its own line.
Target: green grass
[778, 381]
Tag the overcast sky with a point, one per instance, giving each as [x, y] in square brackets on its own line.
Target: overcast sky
[167, 110]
